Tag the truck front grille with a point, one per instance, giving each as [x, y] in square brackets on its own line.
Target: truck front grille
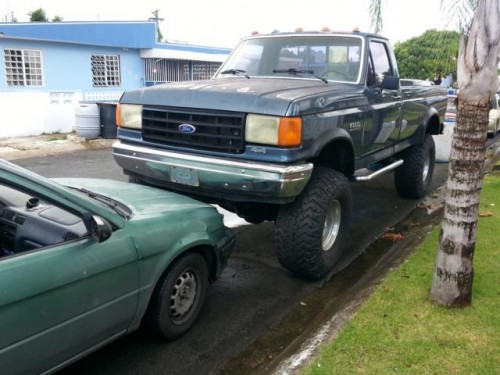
[216, 131]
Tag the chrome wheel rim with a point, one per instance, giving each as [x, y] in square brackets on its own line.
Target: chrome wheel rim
[425, 170]
[332, 225]
[183, 296]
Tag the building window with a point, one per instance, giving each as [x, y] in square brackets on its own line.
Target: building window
[167, 70]
[23, 67]
[105, 70]
[204, 69]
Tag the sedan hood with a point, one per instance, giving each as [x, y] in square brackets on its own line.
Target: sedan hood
[143, 200]
[272, 96]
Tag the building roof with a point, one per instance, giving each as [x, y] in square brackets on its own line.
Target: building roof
[133, 34]
[122, 34]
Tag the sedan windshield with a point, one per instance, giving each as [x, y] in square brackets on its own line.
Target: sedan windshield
[332, 57]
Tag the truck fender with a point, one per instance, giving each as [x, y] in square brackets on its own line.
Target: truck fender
[327, 138]
[431, 124]
[334, 149]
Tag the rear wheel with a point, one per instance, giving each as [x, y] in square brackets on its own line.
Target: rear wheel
[413, 178]
[179, 297]
[310, 232]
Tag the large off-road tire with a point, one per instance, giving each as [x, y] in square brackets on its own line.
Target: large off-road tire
[179, 297]
[310, 232]
[413, 178]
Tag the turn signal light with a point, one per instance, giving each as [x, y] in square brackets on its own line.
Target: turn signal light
[273, 130]
[290, 131]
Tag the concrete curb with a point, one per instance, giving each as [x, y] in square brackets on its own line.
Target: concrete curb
[48, 144]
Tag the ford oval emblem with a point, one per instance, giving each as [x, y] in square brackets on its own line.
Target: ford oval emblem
[186, 128]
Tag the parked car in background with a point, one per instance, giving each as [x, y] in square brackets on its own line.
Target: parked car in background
[85, 261]
[451, 110]
[494, 118]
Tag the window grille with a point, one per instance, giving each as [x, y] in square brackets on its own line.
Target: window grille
[105, 70]
[23, 67]
[204, 69]
[168, 70]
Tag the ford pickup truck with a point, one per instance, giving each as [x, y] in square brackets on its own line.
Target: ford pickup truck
[280, 131]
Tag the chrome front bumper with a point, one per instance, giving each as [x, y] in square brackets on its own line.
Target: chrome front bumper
[216, 177]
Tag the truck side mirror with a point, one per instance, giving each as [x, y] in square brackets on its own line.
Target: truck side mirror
[390, 83]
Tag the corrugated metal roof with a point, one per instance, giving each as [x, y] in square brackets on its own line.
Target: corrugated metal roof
[122, 34]
[130, 34]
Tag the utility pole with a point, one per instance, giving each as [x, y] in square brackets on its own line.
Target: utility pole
[157, 20]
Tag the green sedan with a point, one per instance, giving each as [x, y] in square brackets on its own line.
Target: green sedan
[85, 261]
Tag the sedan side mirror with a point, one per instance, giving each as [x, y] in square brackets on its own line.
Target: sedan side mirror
[99, 228]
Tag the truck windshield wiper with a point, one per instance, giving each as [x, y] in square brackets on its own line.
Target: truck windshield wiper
[299, 71]
[236, 72]
[118, 207]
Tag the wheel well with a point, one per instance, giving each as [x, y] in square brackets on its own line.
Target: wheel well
[434, 126]
[337, 155]
[207, 252]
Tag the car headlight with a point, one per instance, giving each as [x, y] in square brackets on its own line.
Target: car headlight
[272, 130]
[129, 116]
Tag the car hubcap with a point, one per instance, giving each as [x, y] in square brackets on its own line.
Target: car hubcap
[332, 225]
[183, 295]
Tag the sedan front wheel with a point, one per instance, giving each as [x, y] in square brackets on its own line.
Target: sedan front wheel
[179, 297]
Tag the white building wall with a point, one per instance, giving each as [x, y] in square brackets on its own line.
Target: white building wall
[35, 113]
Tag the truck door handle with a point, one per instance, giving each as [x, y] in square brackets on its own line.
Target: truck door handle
[396, 97]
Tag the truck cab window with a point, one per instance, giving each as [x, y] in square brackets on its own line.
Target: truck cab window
[380, 60]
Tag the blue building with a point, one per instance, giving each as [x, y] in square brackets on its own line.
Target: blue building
[49, 68]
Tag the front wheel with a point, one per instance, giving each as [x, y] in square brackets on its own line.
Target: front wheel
[413, 178]
[179, 297]
[310, 232]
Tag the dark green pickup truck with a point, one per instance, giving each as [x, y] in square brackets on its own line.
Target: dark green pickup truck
[280, 130]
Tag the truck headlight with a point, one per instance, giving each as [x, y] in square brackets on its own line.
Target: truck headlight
[272, 130]
[129, 116]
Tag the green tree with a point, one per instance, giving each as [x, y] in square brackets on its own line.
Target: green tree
[477, 81]
[431, 53]
[38, 16]
[57, 19]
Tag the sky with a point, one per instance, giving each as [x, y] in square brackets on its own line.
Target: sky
[222, 23]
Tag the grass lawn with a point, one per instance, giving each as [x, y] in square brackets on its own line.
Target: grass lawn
[398, 331]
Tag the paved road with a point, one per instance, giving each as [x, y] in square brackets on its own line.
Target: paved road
[254, 298]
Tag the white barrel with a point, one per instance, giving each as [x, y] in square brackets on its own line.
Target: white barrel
[443, 142]
[87, 121]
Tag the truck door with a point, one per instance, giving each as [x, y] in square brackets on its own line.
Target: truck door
[383, 115]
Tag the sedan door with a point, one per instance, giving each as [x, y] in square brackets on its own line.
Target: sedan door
[60, 301]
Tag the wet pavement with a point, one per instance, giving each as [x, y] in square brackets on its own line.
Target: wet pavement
[258, 318]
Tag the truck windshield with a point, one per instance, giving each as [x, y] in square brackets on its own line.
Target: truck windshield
[333, 57]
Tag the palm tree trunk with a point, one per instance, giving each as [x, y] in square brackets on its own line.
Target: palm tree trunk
[453, 274]
[477, 79]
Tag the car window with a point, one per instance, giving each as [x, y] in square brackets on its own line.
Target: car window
[28, 222]
[380, 62]
[332, 57]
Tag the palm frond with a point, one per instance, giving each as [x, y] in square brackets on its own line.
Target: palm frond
[458, 13]
[375, 9]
